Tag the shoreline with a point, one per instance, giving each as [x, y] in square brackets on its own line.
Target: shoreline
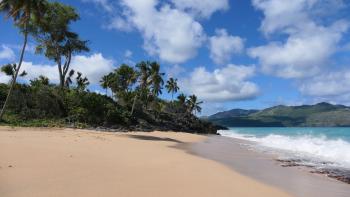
[65, 162]
[265, 167]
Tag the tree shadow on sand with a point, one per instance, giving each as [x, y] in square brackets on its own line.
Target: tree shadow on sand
[153, 138]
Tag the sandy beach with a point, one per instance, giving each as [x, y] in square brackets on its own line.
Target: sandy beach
[263, 166]
[65, 162]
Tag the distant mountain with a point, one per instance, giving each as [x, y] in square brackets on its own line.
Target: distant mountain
[319, 115]
[233, 113]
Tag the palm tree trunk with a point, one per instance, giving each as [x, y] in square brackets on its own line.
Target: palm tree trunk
[133, 105]
[13, 82]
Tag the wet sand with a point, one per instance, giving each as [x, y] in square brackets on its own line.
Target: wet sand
[298, 181]
[70, 163]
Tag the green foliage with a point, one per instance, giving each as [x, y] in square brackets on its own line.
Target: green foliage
[121, 82]
[54, 38]
[22, 11]
[172, 86]
[40, 81]
[322, 114]
[193, 104]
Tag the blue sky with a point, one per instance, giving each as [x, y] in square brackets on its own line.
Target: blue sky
[232, 54]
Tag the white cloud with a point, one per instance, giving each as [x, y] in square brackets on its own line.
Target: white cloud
[222, 46]
[202, 8]
[94, 67]
[280, 15]
[6, 53]
[169, 28]
[4, 78]
[328, 84]
[169, 33]
[225, 84]
[35, 70]
[308, 46]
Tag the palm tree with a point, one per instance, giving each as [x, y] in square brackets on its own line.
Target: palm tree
[40, 81]
[143, 74]
[55, 40]
[44, 80]
[156, 79]
[21, 11]
[182, 99]
[68, 80]
[105, 82]
[172, 87]
[194, 104]
[82, 83]
[10, 70]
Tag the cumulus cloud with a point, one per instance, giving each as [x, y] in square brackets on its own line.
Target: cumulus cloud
[202, 8]
[309, 44]
[328, 84]
[222, 46]
[170, 29]
[169, 33]
[226, 84]
[4, 78]
[94, 67]
[6, 53]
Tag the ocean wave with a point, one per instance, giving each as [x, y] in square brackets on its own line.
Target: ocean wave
[315, 150]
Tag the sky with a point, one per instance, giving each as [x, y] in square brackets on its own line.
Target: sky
[248, 54]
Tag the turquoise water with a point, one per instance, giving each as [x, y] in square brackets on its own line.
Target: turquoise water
[320, 147]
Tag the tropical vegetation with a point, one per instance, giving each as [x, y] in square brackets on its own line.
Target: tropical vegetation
[135, 101]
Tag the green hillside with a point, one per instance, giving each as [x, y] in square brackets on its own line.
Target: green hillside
[319, 115]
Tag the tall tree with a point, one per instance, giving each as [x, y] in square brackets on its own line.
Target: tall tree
[122, 80]
[156, 79]
[105, 82]
[172, 87]
[21, 11]
[193, 104]
[55, 39]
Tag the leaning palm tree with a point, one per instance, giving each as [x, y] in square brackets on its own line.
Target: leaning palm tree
[21, 11]
[172, 87]
[194, 104]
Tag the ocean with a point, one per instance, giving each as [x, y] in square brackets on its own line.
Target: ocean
[326, 150]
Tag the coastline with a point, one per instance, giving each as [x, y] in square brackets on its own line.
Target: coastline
[66, 162]
[264, 167]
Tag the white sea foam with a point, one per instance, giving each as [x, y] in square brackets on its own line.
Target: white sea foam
[306, 147]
